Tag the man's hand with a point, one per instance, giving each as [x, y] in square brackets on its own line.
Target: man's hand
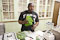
[23, 22]
[35, 25]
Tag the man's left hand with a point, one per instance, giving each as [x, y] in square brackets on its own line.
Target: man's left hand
[34, 26]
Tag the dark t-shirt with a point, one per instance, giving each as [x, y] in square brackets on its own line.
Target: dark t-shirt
[34, 17]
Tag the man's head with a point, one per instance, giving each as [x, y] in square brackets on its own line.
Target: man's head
[30, 7]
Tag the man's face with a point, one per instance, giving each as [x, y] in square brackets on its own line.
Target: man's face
[31, 7]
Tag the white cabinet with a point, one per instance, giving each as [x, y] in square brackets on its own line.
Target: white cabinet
[8, 9]
[45, 8]
[11, 9]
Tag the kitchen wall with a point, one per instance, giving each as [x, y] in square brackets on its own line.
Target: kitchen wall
[15, 27]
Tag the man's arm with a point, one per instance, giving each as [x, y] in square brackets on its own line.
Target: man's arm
[21, 20]
[37, 22]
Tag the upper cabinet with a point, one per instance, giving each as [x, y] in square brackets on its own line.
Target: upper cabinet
[7, 9]
[11, 9]
[46, 8]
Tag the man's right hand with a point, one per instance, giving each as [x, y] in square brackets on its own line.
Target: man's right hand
[23, 22]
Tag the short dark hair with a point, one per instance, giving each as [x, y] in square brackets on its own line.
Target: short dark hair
[29, 4]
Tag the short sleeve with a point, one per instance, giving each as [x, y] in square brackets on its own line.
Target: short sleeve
[36, 20]
[21, 16]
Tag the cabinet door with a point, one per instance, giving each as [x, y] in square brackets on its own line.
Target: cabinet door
[46, 8]
[8, 10]
[22, 6]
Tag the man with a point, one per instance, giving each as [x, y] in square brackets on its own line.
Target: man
[28, 16]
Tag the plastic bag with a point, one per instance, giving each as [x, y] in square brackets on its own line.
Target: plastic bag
[30, 20]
